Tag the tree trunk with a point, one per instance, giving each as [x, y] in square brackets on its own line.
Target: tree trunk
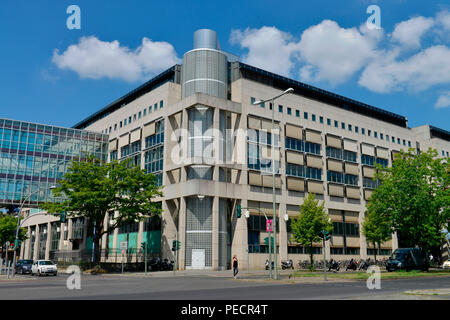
[311, 258]
[96, 241]
[375, 251]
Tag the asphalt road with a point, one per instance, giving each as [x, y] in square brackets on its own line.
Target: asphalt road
[205, 288]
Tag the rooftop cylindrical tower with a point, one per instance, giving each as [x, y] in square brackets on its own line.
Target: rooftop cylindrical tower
[205, 67]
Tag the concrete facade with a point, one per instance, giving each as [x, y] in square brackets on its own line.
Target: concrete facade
[229, 180]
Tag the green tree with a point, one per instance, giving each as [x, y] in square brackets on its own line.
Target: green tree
[8, 227]
[93, 188]
[377, 229]
[310, 221]
[414, 198]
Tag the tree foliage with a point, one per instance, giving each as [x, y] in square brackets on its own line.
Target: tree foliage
[8, 227]
[377, 229]
[413, 198]
[93, 188]
[311, 220]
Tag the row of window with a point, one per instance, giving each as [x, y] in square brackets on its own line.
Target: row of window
[302, 146]
[348, 229]
[303, 172]
[371, 160]
[343, 125]
[341, 154]
[134, 117]
[339, 177]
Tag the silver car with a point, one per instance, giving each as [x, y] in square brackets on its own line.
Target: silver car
[41, 267]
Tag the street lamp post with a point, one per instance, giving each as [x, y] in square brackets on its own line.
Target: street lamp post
[18, 228]
[272, 100]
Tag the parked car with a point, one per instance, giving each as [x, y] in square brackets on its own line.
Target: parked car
[41, 267]
[446, 264]
[24, 266]
[408, 259]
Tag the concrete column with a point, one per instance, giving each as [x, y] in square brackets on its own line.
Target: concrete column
[282, 235]
[61, 236]
[69, 234]
[239, 244]
[36, 244]
[116, 234]
[394, 242]
[85, 224]
[26, 253]
[362, 238]
[215, 233]
[48, 242]
[105, 236]
[182, 233]
[140, 236]
[169, 230]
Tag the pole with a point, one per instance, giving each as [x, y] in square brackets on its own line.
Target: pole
[122, 261]
[274, 195]
[6, 259]
[324, 260]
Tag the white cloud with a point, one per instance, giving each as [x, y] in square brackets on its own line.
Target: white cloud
[408, 33]
[443, 19]
[333, 53]
[96, 59]
[419, 72]
[268, 48]
[443, 101]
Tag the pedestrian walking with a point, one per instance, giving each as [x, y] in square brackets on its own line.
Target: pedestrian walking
[235, 266]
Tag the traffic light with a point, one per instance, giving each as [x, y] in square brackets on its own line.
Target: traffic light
[62, 217]
[238, 211]
[176, 245]
[325, 235]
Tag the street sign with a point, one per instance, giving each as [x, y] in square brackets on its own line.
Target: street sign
[123, 245]
[269, 225]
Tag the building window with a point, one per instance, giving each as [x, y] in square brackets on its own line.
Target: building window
[381, 136]
[333, 176]
[305, 115]
[387, 137]
[349, 156]
[113, 155]
[155, 106]
[134, 117]
[409, 144]
[356, 129]
[120, 124]
[297, 113]
[124, 122]
[314, 173]
[349, 127]
[334, 153]
[129, 119]
[321, 120]
[375, 134]
[313, 117]
[343, 125]
[404, 142]
[336, 124]
[369, 132]
[383, 162]
[161, 104]
[398, 140]
[370, 183]
[150, 109]
[280, 108]
[145, 112]
[351, 179]
[139, 114]
[363, 131]
[252, 100]
[329, 122]
[367, 160]
[115, 126]
[289, 111]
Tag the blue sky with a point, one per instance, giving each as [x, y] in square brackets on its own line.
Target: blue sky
[50, 74]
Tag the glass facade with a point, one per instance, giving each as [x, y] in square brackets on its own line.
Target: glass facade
[33, 157]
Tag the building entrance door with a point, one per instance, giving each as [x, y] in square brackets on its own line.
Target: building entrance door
[198, 258]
